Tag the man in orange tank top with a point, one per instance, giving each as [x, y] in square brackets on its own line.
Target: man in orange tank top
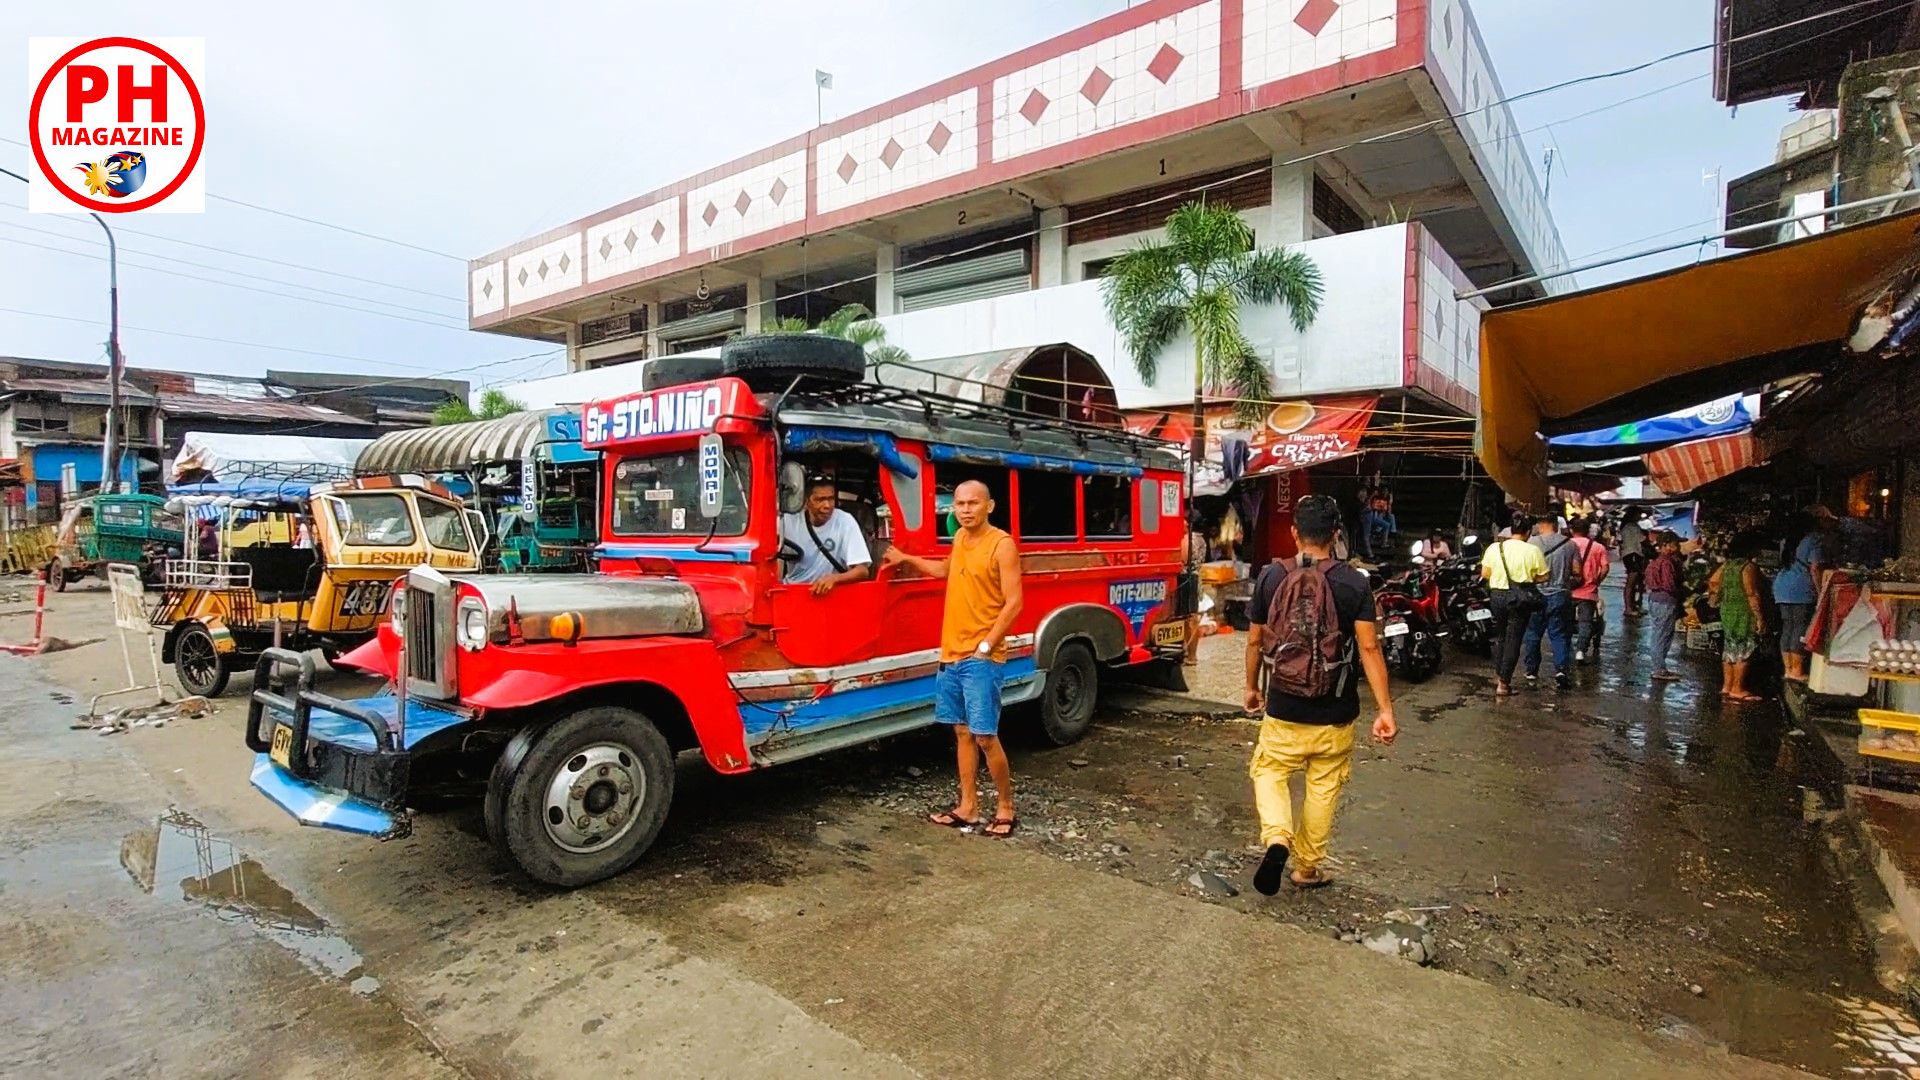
[983, 599]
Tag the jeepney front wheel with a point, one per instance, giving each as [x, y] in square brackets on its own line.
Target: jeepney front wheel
[199, 666]
[1071, 691]
[584, 798]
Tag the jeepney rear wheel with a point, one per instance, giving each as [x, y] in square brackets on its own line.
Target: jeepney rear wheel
[585, 800]
[57, 576]
[198, 664]
[1071, 691]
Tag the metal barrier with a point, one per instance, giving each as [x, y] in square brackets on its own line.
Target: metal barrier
[201, 574]
[130, 616]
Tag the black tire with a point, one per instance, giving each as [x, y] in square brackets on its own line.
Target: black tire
[57, 576]
[199, 666]
[1072, 690]
[607, 744]
[768, 362]
[664, 371]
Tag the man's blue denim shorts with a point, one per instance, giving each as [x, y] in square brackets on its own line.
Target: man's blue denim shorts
[968, 692]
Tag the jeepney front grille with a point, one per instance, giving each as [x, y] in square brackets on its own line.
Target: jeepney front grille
[424, 619]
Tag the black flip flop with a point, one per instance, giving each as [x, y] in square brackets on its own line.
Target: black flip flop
[1011, 824]
[952, 820]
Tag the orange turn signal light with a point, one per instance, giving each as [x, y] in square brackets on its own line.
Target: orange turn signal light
[568, 626]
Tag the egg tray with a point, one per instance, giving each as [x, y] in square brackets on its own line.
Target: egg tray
[1896, 659]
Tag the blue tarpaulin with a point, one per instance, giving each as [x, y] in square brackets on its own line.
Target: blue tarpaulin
[1720, 417]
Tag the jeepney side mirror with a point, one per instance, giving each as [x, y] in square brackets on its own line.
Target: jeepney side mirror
[793, 487]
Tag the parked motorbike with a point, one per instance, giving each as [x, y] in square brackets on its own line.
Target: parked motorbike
[1466, 605]
[1411, 624]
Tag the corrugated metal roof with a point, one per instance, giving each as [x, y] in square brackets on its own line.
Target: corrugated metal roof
[80, 388]
[454, 447]
[263, 408]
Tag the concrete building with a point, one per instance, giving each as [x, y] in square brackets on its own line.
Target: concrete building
[971, 214]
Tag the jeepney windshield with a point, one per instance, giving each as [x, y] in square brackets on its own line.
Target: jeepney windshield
[122, 515]
[445, 525]
[660, 496]
[373, 519]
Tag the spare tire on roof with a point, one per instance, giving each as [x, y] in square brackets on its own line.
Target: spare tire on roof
[769, 362]
[664, 371]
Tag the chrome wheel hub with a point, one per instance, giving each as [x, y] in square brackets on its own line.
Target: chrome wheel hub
[594, 797]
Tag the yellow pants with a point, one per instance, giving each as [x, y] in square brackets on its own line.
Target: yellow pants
[1325, 753]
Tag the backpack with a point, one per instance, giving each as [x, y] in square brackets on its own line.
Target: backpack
[1305, 651]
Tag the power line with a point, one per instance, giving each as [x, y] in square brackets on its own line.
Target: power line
[448, 325]
[428, 371]
[341, 228]
[461, 300]
[226, 270]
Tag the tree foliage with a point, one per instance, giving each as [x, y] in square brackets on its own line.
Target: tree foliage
[1194, 280]
[494, 404]
[855, 323]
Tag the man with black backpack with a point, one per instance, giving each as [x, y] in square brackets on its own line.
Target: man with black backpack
[1314, 635]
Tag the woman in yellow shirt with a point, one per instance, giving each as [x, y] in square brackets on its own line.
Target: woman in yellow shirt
[1507, 563]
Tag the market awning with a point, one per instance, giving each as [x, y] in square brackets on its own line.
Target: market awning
[1703, 331]
[454, 447]
[1680, 469]
[1721, 416]
[1059, 379]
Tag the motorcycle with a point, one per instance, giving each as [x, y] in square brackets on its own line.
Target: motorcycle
[1411, 626]
[1466, 605]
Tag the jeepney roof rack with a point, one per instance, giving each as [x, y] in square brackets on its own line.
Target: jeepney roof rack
[934, 406]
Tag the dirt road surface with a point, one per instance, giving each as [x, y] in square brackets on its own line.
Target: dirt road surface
[1589, 862]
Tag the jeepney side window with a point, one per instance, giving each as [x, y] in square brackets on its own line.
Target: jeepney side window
[1149, 505]
[445, 525]
[1109, 501]
[120, 515]
[910, 491]
[951, 475]
[659, 495]
[1049, 506]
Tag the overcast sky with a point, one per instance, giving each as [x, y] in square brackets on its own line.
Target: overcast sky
[461, 127]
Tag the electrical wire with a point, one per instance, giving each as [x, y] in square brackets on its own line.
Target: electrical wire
[124, 264]
[426, 371]
[223, 270]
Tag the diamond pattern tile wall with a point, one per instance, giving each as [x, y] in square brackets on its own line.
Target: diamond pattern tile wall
[923, 144]
[634, 241]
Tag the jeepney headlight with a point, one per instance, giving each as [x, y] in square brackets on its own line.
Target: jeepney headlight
[471, 624]
[398, 607]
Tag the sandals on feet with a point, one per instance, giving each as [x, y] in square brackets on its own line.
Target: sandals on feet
[1313, 879]
[952, 819]
[1006, 825]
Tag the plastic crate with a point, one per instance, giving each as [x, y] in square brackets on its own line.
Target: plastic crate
[1878, 727]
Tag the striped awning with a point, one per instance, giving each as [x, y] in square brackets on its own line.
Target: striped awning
[1680, 469]
[454, 447]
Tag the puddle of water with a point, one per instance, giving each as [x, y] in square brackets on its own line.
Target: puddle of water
[178, 851]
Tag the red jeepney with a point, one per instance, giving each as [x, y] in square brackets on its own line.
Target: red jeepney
[562, 699]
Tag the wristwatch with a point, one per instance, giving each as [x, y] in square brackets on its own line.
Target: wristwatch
[985, 648]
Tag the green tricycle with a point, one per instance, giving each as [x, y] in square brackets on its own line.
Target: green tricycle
[96, 530]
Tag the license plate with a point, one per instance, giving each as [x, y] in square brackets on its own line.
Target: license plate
[1395, 629]
[281, 749]
[1170, 633]
[1479, 615]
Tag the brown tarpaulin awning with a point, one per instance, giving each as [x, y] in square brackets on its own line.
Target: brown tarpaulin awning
[1701, 331]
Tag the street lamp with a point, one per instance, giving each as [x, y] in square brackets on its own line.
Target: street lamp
[116, 364]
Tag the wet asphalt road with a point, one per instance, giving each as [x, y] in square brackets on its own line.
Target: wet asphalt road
[1597, 850]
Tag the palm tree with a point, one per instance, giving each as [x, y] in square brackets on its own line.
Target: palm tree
[855, 323]
[1195, 281]
[494, 404]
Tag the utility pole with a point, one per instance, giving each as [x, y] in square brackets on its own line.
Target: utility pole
[116, 363]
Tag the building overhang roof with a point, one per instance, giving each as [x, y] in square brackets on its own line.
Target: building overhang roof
[1630, 350]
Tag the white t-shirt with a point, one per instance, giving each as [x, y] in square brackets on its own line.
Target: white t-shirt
[840, 535]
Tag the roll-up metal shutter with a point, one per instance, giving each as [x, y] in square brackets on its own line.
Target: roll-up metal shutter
[979, 290]
[702, 325]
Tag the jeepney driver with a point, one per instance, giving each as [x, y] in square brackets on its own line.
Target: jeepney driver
[833, 533]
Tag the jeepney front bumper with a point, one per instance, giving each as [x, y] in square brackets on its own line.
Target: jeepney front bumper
[333, 763]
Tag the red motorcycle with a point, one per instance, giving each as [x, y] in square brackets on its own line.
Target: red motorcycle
[1411, 623]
